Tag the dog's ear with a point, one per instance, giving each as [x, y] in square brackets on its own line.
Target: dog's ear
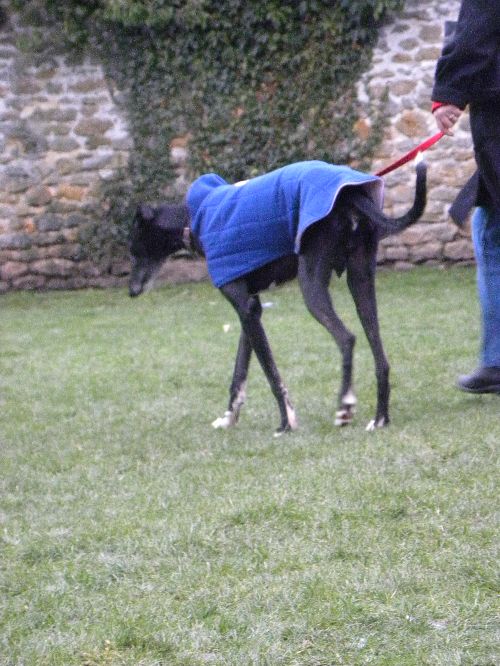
[145, 212]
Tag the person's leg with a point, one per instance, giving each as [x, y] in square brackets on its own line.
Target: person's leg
[486, 238]
[490, 288]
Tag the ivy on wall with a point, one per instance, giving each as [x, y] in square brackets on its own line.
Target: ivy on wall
[254, 85]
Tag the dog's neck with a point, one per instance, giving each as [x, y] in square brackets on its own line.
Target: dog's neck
[176, 219]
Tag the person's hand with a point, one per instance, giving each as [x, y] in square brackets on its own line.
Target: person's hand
[446, 116]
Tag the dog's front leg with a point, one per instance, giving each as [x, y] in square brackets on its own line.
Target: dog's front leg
[249, 311]
[237, 391]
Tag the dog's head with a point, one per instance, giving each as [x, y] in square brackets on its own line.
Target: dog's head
[156, 234]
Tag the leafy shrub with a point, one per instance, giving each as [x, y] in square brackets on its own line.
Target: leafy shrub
[254, 85]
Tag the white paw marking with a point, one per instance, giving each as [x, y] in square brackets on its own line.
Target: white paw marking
[373, 425]
[349, 399]
[224, 422]
[343, 417]
[292, 417]
[290, 412]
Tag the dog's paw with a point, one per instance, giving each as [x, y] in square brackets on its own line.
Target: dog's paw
[227, 421]
[344, 416]
[374, 424]
[284, 429]
[289, 425]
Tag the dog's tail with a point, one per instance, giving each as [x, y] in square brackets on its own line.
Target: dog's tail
[393, 225]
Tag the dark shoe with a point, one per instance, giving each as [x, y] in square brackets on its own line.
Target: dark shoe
[482, 380]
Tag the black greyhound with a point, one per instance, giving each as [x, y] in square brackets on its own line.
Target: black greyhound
[345, 239]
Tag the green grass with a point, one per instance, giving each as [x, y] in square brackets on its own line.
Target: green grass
[132, 533]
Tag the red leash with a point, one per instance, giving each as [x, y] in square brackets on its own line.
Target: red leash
[409, 156]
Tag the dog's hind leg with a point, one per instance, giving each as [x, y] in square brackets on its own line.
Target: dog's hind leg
[237, 391]
[249, 310]
[314, 277]
[361, 281]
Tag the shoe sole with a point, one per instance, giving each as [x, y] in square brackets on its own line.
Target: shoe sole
[485, 389]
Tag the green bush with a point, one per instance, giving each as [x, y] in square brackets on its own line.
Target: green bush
[254, 85]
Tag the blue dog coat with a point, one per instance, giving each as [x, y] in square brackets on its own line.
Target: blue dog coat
[245, 226]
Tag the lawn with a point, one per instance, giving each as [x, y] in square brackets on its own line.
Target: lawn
[132, 533]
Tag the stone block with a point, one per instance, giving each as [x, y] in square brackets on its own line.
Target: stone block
[413, 124]
[88, 85]
[408, 44]
[420, 253]
[75, 220]
[362, 129]
[392, 241]
[49, 222]
[404, 266]
[58, 129]
[71, 235]
[56, 284]
[22, 211]
[403, 87]
[76, 283]
[120, 268]
[398, 58]
[96, 162]
[429, 53]
[54, 88]
[431, 33]
[445, 192]
[17, 183]
[29, 226]
[66, 166]
[95, 142]
[93, 127]
[62, 144]
[53, 267]
[89, 269]
[56, 114]
[15, 242]
[29, 282]
[38, 196]
[418, 234]
[65, 206]
[43, 239]
[396, 253]
[73, 192]
[459, 250]
[26, 86]
[8, 198]
[444, 231]
[12, 269]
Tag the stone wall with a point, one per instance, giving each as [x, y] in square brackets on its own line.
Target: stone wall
[63, 135]
[403, 65]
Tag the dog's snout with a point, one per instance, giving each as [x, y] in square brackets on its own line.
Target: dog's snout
[137, 277]
[134, 290]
